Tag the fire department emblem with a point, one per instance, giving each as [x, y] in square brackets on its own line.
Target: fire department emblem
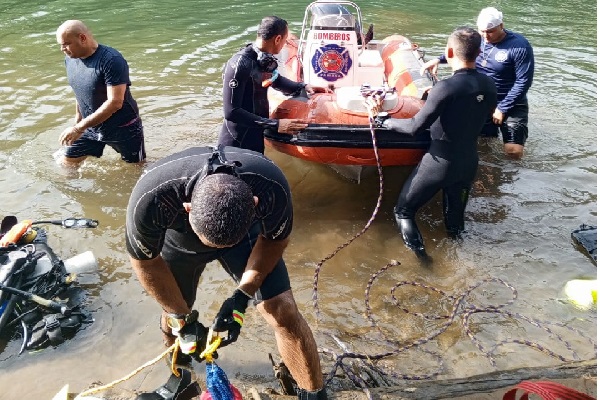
[331, 62]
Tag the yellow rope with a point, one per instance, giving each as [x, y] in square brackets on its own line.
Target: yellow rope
[174, 347]
[174, 357]
[212, 343]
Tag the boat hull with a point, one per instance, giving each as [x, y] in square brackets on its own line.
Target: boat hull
[349, 145]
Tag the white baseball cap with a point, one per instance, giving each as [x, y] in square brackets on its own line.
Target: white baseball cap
[489, 18]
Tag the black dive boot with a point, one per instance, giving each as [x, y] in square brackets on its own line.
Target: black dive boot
[411, 236]
[306, 395]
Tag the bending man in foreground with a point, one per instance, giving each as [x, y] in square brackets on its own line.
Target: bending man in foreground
[231, 205]
[506, 57]
[455, 112]
[105, 111]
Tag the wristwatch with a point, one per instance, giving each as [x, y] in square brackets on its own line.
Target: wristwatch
[178, 321]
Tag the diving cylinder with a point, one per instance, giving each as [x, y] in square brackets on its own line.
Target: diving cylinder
[82, 262]
[78, 264]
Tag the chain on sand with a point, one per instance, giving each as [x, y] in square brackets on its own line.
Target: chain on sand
[460, 308]
[371, 110]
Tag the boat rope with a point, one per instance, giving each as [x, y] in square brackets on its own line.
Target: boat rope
[96, 389]
[289, 42]
[373, 109]
[460, 309]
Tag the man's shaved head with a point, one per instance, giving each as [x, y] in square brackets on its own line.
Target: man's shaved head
[75, 39]
[72, 27]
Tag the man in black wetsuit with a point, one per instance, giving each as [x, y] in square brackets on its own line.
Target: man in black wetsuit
[455, 111]
[227, 204]
[246, 78]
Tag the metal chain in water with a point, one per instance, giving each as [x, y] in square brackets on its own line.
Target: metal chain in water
[461, 308]
[373, 215]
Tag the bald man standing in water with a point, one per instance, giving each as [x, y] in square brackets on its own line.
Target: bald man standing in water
[105, 111]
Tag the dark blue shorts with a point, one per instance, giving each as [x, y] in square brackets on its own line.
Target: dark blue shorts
[514, 127]
[131, 147]
[187, 266]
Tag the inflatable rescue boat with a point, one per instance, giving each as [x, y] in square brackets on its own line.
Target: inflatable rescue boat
[333, 52]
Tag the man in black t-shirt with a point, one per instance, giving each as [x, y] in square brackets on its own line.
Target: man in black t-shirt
[227, 204]
[105, 111]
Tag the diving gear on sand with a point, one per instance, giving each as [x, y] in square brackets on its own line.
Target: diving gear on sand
[230, 317]
[39, 300]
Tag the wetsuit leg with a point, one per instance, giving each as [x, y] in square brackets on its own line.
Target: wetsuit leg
[251, 139]
[455, 201]
[186, 266]
[422, 184]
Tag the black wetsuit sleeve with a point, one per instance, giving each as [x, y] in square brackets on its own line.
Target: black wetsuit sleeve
[237, 86]
[433, 108]
[274, 209]
[149, 214]
[287, 86]
[278, 221]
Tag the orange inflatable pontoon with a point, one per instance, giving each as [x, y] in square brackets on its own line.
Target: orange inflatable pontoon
[333, 52]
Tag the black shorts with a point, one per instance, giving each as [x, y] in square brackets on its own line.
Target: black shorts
[187, 266]
[131, 149]
[514, 127]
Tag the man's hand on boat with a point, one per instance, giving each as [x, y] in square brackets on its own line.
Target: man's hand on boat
[291, 125]
[432, 66]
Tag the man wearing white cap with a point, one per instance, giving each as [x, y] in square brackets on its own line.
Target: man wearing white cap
[507, 57]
